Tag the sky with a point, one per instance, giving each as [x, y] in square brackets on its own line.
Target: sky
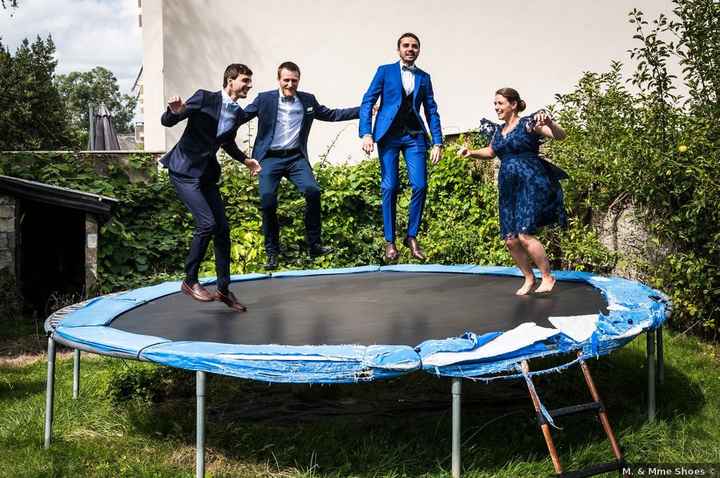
[87, 33]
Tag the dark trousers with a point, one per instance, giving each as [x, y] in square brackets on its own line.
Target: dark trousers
[297, 169]
[202, 197]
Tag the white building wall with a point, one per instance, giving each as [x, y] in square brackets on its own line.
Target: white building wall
[470, 47]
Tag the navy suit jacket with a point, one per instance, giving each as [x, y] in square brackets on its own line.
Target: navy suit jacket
[265, 107]
[387, 84]
[195, 153]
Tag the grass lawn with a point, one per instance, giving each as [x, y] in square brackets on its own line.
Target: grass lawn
[138, 420]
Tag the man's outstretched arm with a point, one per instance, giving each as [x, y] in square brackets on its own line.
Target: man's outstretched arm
[178, 110]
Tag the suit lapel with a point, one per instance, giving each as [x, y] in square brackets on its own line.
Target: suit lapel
[273, 97]
[303, 102]
[216, 99]
[418, 80]
[397, 75]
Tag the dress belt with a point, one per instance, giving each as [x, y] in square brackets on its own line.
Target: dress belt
[282, 153]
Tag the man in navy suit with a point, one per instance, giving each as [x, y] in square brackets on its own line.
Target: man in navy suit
[285, 116]
[213, 120]
[403, 88]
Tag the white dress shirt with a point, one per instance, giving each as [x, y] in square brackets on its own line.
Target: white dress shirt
[288, 123]
[408, 78]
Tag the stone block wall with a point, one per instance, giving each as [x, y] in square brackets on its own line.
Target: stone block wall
[7, 234]
[91, 248]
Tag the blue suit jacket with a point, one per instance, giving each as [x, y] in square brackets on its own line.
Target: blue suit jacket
[265, 107]
[387, 84]
[195, 153]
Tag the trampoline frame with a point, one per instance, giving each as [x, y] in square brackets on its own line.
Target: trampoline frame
[655, 376]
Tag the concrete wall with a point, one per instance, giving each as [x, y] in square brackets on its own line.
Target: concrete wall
[470, 48]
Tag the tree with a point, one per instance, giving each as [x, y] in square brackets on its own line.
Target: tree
[32, 113]
[9, 3]
[80, 90]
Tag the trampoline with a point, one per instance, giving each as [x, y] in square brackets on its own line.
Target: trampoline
[363, 324]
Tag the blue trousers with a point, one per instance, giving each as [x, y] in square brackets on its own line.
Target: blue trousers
[414, 150]
[202, 197]
[297, 169]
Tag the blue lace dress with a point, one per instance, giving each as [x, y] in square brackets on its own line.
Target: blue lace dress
[530, 195]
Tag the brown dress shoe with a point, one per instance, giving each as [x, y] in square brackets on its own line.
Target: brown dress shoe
[196, 291]
[230, 300]
[414, 247]
[391, 252]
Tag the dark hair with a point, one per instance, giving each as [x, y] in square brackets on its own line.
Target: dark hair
[233, 70]
[289, 66]
[406, 35]
[512, 95]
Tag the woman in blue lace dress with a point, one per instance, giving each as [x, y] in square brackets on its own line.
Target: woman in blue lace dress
[530, 195]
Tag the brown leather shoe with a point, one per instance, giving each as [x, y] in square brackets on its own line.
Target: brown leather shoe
[230, 300]
[414, 247]
[196, 291]
[391, 252]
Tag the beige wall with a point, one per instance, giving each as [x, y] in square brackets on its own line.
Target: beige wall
[470, 47]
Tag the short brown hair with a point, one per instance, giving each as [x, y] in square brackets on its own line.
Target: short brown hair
[233, 70]
[289, 66]
[512, 95]
[408, 35]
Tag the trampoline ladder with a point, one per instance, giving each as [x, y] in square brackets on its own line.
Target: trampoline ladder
[595, 406]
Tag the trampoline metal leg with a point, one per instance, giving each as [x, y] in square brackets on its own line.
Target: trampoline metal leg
[200, 427]
[456, 402]
[651, 374]
[76, 374]
[660, 356]
[50, 392]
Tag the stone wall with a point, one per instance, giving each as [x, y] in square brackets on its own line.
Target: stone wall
[622, 231]
[7, 235]
[137, 165]
[91, 248]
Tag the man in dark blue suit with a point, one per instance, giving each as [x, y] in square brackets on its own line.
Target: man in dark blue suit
[213, 120]
[403, 88]
[284, 117]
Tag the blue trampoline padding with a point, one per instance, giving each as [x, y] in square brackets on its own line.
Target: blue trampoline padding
[633, 308]
[322, 272]
[461, 268]
[288, 364]
[108, 341]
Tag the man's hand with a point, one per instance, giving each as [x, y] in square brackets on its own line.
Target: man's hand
[253, 166]
[464, 152]
[436, 153]
[176, 104]
[368, 144]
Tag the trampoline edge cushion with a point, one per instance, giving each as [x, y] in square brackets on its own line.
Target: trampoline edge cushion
[290, 364]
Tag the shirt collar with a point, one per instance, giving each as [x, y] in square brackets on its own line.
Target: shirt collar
[226, 98]
[281, 96]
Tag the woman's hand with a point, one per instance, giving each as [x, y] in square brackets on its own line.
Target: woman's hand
[542, 118]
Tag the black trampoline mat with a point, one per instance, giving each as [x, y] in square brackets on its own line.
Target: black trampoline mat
[387, 308]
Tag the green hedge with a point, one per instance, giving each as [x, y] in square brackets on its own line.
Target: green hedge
[149, 234]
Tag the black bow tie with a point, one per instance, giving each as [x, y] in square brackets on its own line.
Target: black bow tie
[408, 68]
[287, 99]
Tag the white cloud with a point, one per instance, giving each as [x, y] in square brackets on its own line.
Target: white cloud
[87, 33]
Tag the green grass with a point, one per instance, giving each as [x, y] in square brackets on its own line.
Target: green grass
[137, 420]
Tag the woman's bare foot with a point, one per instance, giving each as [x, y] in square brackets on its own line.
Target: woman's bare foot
[546, 285]
[526, 287]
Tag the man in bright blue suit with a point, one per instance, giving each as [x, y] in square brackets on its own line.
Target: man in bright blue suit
[284, 117]
[212, 122]
[403, 88]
